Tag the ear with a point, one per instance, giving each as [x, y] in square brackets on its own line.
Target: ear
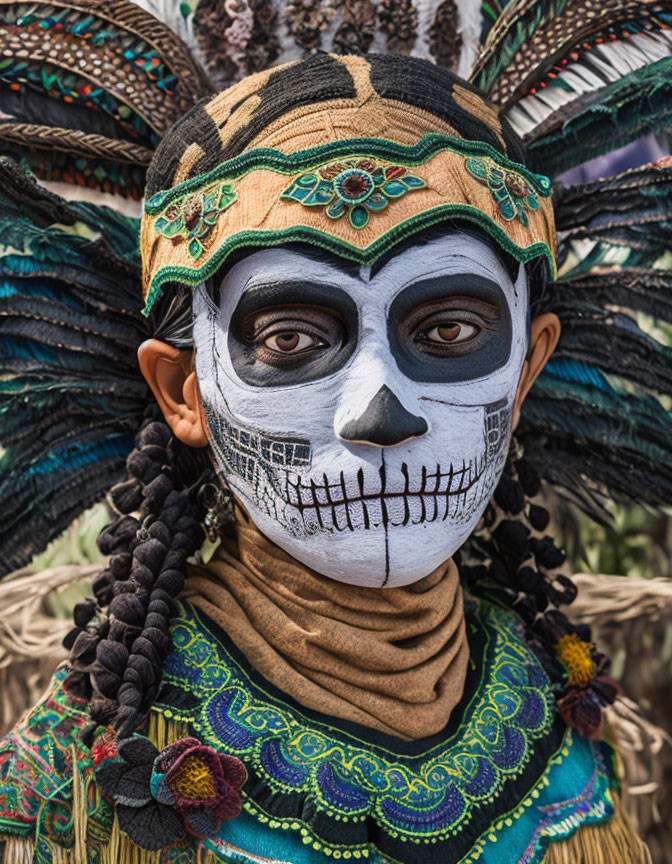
[544, 335]
[167, 370]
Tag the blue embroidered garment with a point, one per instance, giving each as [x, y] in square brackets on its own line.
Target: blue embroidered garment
[498, 784]
[502, 781]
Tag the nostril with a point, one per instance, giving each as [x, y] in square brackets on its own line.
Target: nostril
[385, 422]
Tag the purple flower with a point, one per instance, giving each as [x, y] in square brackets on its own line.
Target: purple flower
[581, 707]
[201, 784]
[161, 797]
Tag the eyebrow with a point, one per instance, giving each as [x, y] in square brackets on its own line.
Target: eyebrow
[323, 256]
[430, 288]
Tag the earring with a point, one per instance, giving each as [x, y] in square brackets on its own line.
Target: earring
[218, 504]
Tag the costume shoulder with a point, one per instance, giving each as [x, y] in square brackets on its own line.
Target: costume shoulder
[312, 782]
[46, 772]
[506, 783]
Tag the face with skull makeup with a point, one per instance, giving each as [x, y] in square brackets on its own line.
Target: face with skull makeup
[363, 416]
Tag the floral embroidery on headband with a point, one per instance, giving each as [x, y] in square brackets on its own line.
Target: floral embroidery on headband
[192, 217]
[164, 796]
[355, 186]
[513, 194]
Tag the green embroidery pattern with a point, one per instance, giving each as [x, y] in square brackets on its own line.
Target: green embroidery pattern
[192, 217]
[379, 150]
[37, 760]
[356, 186]
[514, 194]
[424, 798]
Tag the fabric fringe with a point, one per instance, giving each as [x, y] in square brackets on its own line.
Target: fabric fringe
[162, 732]
[129, 853]
[18, 851]
[79, 811]
[111, 853]
[613, 842]
[120, 849]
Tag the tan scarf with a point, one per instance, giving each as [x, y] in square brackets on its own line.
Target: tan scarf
[393, 659]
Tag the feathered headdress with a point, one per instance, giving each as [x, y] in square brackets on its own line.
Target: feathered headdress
[90, 88]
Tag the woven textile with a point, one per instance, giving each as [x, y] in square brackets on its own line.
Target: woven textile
[352, 154]
[394, 660]
[319, 786]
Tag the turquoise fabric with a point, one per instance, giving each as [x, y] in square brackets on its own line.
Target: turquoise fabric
[574, 792]
[310, 773]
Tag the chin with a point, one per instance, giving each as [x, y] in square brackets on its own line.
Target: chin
[382, 556]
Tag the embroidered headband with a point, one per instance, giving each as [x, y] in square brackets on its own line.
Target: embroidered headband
[340, 157]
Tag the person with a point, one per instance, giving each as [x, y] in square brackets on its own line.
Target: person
[347, 272]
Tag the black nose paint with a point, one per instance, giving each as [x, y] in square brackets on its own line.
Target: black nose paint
[385, 422]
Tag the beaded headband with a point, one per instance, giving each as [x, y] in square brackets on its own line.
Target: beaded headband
[303, 176]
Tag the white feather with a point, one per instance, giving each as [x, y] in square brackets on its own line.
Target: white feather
[469, 28]
[613, 60]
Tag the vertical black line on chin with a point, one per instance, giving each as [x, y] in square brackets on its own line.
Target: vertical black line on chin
[386, 525]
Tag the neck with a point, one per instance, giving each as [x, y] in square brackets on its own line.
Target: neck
[392, 659]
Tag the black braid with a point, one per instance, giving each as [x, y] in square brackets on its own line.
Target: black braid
[510, 557]
[122, 637]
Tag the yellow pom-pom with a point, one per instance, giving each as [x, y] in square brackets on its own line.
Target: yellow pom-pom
[577, 658]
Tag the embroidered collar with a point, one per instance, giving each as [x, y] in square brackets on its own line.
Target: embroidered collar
[495, 788]
[340, 784]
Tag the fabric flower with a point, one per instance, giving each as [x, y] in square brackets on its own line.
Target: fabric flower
[355, 186]
[162, 797]
[587, 690]
[192, 217]
[201, 784]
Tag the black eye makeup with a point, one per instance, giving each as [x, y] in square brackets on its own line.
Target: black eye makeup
[290, 333]
[444, 329]
[450, 328]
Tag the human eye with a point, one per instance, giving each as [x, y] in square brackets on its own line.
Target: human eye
[452, 327]
[292, 340]
[291, 336]
[449, 332]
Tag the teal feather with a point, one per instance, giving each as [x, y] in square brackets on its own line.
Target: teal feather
[71, 396]
[637, 105]
[572, 370]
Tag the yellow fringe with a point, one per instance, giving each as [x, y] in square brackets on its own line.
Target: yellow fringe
[18, 851]
[612, 842]
[162, 732]
[110, 853]
[59, 855]
[121, 850]
[79, 809]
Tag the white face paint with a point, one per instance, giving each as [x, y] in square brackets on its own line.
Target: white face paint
[367, 439]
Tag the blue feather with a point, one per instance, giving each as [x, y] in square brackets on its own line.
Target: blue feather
[575, 371]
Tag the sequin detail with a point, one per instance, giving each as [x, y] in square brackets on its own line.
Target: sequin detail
[356, 187]
[513, 194]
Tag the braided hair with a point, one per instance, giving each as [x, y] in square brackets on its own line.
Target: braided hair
[121, 635]
[511, 559]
